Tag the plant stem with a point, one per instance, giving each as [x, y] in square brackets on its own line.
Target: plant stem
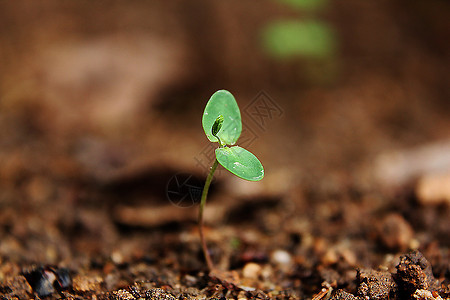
[200, 214]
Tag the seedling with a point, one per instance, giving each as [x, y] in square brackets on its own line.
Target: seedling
[222, 124]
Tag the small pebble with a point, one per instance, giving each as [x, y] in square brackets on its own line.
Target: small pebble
[190, 280]
[242, 296]
[330, 257]
[395, 233]
[117, 257]
[44, 280]
[281, 257]
[425, 295]
[251, 270]
[349, 256]
[266, 272]
[434, 189]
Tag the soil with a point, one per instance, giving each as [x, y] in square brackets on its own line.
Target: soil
[103, 157]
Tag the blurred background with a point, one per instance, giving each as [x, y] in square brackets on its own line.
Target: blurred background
[101, 105]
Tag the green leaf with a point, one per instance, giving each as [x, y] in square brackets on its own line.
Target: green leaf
[240, 162]
[222, 103]
[308, 39]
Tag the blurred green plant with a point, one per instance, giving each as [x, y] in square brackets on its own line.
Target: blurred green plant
[222, 124]
[291, 38]
[309, 5]
[309, 40]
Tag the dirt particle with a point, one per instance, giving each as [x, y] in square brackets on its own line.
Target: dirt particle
[342, 295]
[122, 295]
[395, 233]
[375, 285]
[414, 272]
[159, 294]
[87, 284]
[242, 296]
[425, 295]
[16, 287]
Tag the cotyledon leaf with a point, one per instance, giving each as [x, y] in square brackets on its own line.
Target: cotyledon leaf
[223, 103]
[240, 162]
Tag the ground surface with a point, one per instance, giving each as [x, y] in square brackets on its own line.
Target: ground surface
[100, 122]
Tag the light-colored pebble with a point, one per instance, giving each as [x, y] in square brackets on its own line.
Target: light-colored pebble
[426, 295]
[117, 257]
[434, 189]
[251, 270]
[281, 257]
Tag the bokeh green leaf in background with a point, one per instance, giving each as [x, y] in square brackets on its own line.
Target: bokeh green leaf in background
[307, 39]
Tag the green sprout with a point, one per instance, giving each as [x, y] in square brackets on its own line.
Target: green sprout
[222, 124]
